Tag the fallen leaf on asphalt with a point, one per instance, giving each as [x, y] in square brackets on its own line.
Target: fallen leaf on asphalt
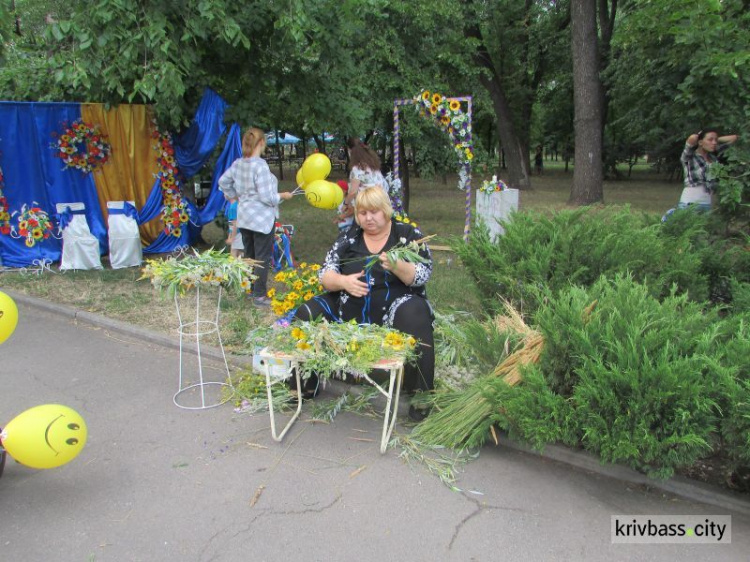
[257, 494]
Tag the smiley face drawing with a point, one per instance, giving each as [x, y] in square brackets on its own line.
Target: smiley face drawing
[45, 436]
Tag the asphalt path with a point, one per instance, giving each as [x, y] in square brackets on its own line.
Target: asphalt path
[159, 483]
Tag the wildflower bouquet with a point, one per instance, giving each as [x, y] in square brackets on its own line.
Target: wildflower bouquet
[302, 284]
[406, 251]
[327, 348]
[211, 268]
[493, 185]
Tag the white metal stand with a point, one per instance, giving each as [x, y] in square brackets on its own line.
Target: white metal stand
[198, 329]
[395, 367]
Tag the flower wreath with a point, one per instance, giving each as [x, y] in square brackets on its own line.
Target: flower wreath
[174, 213]
[82, 146]
[451, 118]
[4, 214]
[34, 224]
[493, 185]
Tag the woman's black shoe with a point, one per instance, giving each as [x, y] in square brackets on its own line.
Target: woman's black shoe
[417, 414]
[310, 386]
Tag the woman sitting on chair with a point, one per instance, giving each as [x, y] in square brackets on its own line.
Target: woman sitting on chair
[388, 294]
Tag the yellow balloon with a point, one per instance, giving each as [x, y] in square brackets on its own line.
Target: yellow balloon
[300, 179]
[45, 436]
[8, 316]
[316, 167]
[324, 194]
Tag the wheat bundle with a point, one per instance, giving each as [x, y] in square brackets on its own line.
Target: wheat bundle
[465, 416]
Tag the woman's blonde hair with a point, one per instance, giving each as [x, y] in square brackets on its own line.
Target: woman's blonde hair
[250, 140]
[372, 199]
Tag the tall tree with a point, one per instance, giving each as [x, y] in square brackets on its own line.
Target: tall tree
[587, 96]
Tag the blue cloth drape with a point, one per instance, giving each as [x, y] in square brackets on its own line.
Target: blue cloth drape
[33, 174]
[195, 145]
[214, 204]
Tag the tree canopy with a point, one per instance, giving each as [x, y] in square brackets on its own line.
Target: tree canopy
[666, 67]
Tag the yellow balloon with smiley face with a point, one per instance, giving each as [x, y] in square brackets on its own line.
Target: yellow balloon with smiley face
[45, 436]
[8, 316]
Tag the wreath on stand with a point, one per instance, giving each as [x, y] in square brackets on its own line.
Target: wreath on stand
[82, 146]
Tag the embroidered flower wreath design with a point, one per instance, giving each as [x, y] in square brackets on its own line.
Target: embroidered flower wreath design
[4, 214]
[34, 224]
[174, 214]
[82, 146]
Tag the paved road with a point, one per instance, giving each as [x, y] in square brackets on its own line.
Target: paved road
[158, 483]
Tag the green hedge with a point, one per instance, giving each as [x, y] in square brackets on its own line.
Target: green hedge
[576, 247]
[647, 342]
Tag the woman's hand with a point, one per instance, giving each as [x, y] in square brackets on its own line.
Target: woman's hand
[352, 285]
[404, 270]
[386, 263]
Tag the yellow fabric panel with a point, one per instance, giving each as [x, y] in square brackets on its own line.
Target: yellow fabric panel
[129, 174]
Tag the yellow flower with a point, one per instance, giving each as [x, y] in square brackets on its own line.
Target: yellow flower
[271, 293]
[411, 342]
[309, 295]
[184, 217]
[292, 297]
[37, 233]
[436, 99]
[303, 345]
[298, 285]
[280, 276]
[425, 95]
[352, 345]
[455, 105]
[315, 267]
[30, 242]
[177, 232]
[469, 155]
[298, 333]
[303, 265]
[433, 108]
[445, 119]
[23, 224]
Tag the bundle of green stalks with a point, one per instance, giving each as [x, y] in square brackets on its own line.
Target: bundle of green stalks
[461, 419]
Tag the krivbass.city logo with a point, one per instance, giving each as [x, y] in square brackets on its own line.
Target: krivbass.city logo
[673, 529]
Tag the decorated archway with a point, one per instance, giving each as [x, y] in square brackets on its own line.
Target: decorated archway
[452, 115]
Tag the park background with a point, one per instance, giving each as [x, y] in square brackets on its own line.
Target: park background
[609, 89]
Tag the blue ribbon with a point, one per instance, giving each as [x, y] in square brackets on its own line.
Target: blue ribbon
[66, 217]
[282, 250]
[127, 210]
[327, 308]
[366, 305]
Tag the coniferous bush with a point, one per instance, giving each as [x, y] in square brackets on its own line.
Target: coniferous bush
[578, 246]
[627, 376]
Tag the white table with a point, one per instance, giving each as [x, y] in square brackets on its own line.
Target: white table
[395, 367]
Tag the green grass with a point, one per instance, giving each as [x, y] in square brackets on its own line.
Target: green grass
[437, 206]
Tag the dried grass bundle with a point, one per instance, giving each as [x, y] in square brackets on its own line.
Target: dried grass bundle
[528, 352]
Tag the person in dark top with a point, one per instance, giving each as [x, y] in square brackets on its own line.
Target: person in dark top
[387, 294]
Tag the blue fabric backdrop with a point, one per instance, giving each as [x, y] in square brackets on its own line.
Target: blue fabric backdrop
[34, 175]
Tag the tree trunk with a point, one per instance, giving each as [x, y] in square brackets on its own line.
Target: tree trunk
[405, 191]
[587, 98]
[518, 171]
